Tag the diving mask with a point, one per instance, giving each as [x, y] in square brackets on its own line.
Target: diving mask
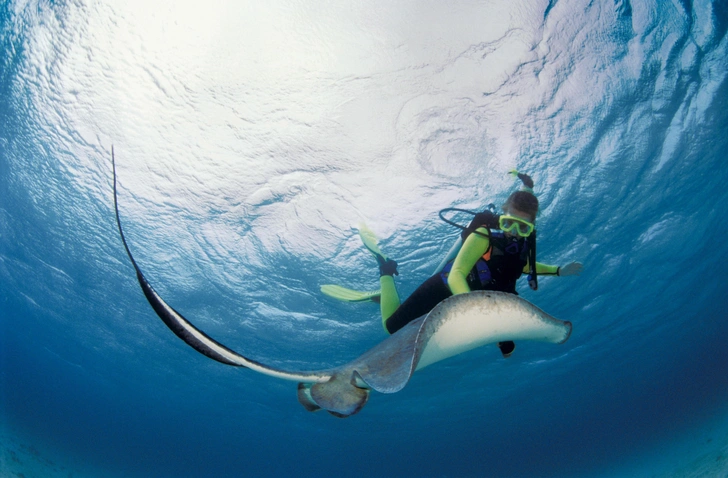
[515, 224]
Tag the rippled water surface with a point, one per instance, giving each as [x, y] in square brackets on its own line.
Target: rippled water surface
[251, 137]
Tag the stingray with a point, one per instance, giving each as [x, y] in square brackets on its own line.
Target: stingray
[458, 324]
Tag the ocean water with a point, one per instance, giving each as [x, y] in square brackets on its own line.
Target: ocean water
[251, 137]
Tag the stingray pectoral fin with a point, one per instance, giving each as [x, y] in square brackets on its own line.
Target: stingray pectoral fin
[388, 366]
[339, 395]
[466, 321]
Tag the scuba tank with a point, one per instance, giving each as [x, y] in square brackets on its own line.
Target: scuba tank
[451, 255]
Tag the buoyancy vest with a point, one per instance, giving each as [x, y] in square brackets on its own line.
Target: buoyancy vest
[503, 262]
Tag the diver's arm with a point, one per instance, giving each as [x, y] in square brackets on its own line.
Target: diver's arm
[572, 268]
[542, 269]
[473, 249]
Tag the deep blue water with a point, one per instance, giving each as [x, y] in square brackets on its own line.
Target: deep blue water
[250, 138]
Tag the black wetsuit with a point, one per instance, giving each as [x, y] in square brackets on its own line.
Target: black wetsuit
[506, 259]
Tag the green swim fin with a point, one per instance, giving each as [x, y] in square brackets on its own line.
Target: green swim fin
[350, 295]
[370, 241]
[386, 266]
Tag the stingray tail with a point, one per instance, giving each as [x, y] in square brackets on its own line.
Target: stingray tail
[190, 334]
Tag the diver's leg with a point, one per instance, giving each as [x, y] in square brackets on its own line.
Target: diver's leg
[422, 301]
[389, 299]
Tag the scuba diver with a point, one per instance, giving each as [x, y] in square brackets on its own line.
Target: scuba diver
[496, 250]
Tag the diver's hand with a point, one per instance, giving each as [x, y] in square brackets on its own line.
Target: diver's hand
[571, 269]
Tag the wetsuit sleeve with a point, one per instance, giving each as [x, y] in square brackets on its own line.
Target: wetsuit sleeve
[543, 269]
[473, 249]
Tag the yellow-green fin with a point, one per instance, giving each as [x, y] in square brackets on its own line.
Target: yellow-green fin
[370, 240]
[349, 295]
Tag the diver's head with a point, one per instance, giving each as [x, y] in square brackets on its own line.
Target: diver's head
[520, 209]
[522, 203]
